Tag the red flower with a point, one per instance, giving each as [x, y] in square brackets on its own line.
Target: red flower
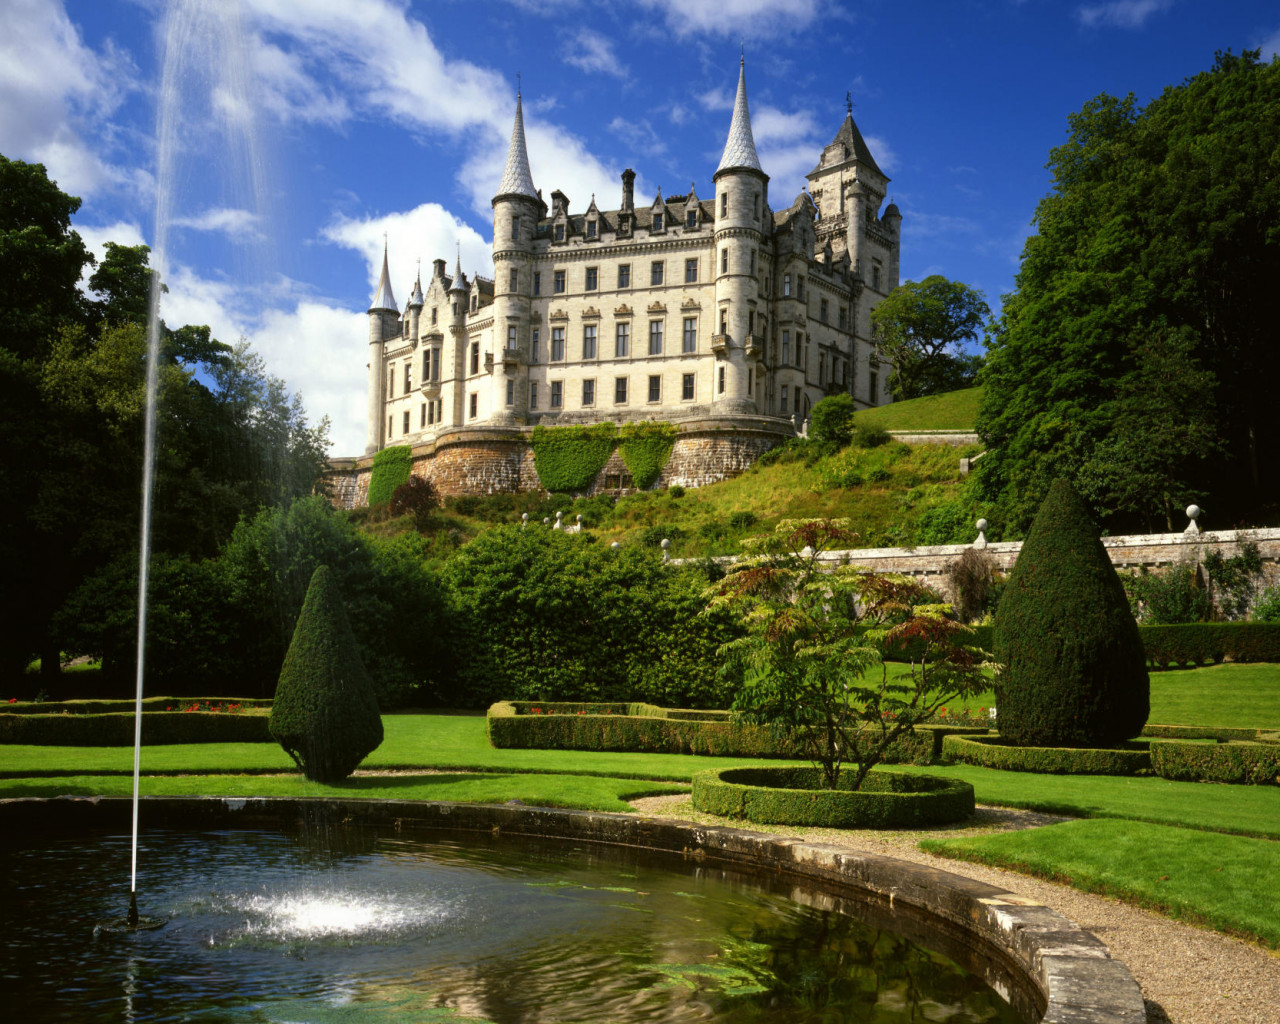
[13, 700]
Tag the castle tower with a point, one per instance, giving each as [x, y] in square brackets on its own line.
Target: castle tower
[384, 317]
[458, 298]
[516, 209]
[741, 204]
[414, 309]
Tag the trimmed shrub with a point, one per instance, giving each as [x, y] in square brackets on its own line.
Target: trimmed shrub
[1254, 764]
[1195, 732]
[831, 421]
[325, 714]
[645, 449]
[789, 796]
[1203, 643]
[570, 458]
[1074, 672]
[106, 707]
[988, 751]
[417, 497]
[391, 468]
[116, 729]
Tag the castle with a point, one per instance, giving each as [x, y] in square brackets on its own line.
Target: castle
[689, 310]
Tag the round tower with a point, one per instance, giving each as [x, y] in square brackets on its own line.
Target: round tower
[516, 208]
[892, 221]
[741, 200]
[384, 317]
[459, 293]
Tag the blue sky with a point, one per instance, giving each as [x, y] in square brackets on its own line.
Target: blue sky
[305, 129]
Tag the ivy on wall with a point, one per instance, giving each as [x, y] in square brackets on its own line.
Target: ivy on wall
[569, 458]
[645, 448]
[391, 468]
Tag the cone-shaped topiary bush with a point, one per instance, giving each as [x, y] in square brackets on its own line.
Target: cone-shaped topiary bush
[325, 714]
[1074, 670]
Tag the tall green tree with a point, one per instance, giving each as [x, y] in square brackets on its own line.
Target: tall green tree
[1136, 356]
[921, 328]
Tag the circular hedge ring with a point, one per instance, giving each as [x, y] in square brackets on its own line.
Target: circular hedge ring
[793, 796]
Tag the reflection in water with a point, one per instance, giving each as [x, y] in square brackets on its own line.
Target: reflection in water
[365, 926]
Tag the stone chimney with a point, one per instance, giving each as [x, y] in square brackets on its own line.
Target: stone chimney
[628, 190]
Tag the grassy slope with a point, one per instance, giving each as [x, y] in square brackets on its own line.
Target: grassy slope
[956, 410]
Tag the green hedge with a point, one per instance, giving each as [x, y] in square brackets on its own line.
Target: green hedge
[790, 796]
[647, 728]
[116, 730]
[1196, 732]
[99, 707]
[391, 468]
[1202, 643]
[1256, 764]
[569, 458]
[990, 753]
[645, 449]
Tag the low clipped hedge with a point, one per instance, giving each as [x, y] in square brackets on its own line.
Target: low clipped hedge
[1252, 764]
[116, 729]
[102, 707]
[1199, 732]
[648, 728]
[792, 796]
[989, 752]
[1203, 643]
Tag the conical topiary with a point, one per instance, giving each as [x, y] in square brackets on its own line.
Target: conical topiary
[1074, 672]
[325, 713]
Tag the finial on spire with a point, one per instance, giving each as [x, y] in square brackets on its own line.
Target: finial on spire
[740, 148]
[383, 297]
[848, 103]
[516, 179]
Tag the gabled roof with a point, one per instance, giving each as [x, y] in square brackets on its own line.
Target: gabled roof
[740, 147]
[382, 298]
[854, 144]
[516, 179]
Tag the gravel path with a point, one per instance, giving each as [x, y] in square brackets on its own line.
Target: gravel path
[1188, 975]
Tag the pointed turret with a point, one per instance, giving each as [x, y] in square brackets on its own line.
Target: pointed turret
[416, 298]
[516, 179]
[740, 148]
[459, 283]
[382, 298]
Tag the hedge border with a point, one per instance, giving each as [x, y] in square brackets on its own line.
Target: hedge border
[1201, 643]
[1237, 763]
[989, 752]
[790, 796]
[1197, 732]
[102, 707]
[117, 729]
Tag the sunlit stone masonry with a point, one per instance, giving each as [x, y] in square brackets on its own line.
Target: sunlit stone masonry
[713, 313]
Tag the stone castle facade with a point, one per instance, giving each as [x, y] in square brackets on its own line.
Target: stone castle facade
[698, 311]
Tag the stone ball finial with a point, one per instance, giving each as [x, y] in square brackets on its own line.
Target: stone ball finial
[615, 545]
[981, 525]
[665, 544]
[981, 540]
[1193, 512]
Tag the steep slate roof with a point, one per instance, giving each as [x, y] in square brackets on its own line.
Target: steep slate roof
[516, 179]
[382, 298]
[852, 139]
[740, 147]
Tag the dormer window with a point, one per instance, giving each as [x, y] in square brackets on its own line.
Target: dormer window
[657, 222]
[691, 218]
[559, 233]
[591, 229]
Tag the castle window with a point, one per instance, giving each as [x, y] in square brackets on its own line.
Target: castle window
[724, 321]
[624, 275]
[751, 382]
[871, 387]
[844, 318]
[455, 309]
[391, 380]
[797, 398]
[475, 301]
[655, 272]
[686, 385]
[691, 217]
[434, 311]
[557, 344]
[800, 360]
[786, 286]
[559, 233]
[511, 392]
[408, 377]
[822, 310]
[756, 206]
[588, 392]
[720, 382]
[422, 419]
[875, 278]
[533, 345]
[691, 271]
[822, 367]
[620, 390]
[655, 337]
[591, 229]
[475, 357]
[557, 394]
[622, 341]
[558, 286]
[537, 283]
[406, 422]
[690, 340]
[426, 364]
[786, 347]
[657, 222]
[513, 282]
[391, 420]
[724, 204]
[752, 271]
[404, 329]
[511, 338]
[751, 321]
[799, 287]
[782, 405]
[655, 388]
[431, 413]
[724, 261]
[589, 341]
[533, 394]
[473, 405]
[515, 229]
[593, 276]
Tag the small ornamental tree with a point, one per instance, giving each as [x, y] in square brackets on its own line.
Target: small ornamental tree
[325, 714]
[814, 634]
[1073, 671]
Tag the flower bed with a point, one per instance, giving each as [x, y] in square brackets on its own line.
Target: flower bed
[791, 796]
[988, 751]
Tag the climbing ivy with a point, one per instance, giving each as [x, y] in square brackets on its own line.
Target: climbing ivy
[645, 448]
[391, 468]
[570, 458]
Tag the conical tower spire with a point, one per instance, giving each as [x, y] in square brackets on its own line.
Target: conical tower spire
[516, 179]
[382, 298]
[740, 148]
[417, 299]
[459, 283]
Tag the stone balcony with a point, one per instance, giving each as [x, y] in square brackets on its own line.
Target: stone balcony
[430, 388]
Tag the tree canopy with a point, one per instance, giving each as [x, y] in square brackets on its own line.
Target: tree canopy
[921, 327]
[1135, 356]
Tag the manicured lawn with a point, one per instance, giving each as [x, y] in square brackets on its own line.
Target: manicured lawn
[956, 410]
[1225, 882]
[577, 791]
[1242, 696]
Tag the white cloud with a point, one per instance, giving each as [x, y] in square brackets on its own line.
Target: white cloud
[239, 225]
[1121, 13]
[1270, 46]
[719, 98]
[735, 19]
[886, 158]
[590, 51]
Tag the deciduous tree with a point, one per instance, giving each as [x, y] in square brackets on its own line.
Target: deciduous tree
[921, 327]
